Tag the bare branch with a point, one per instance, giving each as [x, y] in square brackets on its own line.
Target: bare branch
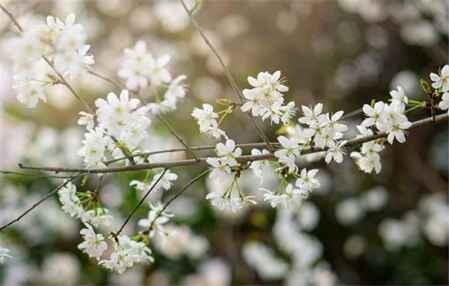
[173, 131]
[141, 202]
[183, 189]
[230, 77]
[12, 18]
[40, 201]
[242, 159]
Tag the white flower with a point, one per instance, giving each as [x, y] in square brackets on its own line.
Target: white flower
[291, 197]
[394, 122]
[368, 162]
[289, 152]
[207, 121]
[4, 254]
[94, 147]
[70, 202]
[258, 166]
[166, 181]
[227, 156]
[96, 217]
[441, 81]
[307, 181]
[175, 91]
[373, 113]
[275, 199]
[335, 152]
[312, 117]
[86, 119]
[126, 253]
[135, 66]
[72, 36]
[71, 64]
[398, 96]
[265, 98]
[444, 103]
[156, 219]
[158, 72]
[29, 92]
[115, 112]
[93, 244]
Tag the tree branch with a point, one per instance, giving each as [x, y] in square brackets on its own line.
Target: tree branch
[140, 202]
[242, 159]
[40, 201]
[230, 77]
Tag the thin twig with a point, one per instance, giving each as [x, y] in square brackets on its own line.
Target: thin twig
[12, 18]
[40, 201]
[116, 234]
[35, 176]
[241, 159]
[105, 78]
[174, 133]
[64, 82]
[183, 189]
[230, 77]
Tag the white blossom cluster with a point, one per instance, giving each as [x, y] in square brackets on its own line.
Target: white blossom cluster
[62, 43]
[266, 99]
[391, 119]
[141, 69]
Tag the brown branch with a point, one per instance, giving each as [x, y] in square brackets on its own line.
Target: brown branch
[242, 159]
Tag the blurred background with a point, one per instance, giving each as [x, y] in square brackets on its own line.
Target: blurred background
[386, 229]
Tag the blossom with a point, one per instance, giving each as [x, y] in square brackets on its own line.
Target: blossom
[94, 147]
[290, 198]
[444, 103]
[4, 254]
[288, 153]
[136, 66]
[71, 64]
[139, 67]
[29, 92]
[373, 113]
[126, 253]
[93, 244]
[398, 96]
[227, 153]
[312, 117]
[70, 202]
[335, 152]
[166, 181]
[266, 99]
[307, 181]
[175, 91]
[156, 219]
[115, 112]
[207, 121]
[86, 119]
[158, 72]
[368, 162]
[441, 81]
[96, 217]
